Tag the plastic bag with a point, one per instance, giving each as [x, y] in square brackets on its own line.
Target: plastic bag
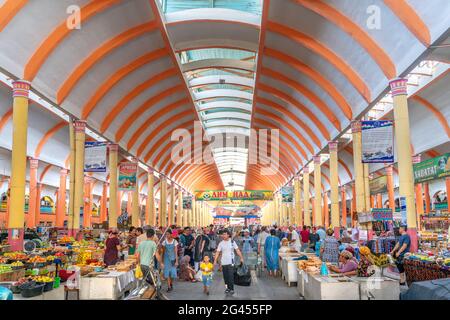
[242, 276]
[242, 270]
[138, 272]
[198, 276]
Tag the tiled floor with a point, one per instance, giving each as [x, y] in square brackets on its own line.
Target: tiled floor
[262, 288]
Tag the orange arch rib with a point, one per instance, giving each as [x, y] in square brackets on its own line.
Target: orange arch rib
[324, 52]
[308, 94]
[353, 30]
[439, 116]
[8, 11]
[283, 96]
[58, 35]
[118, 76]
[120, 106]
[411, 20]
[129, 121]
[50, 133]
[98, 55]
[153, 118]
[4, 120]
[321, 81]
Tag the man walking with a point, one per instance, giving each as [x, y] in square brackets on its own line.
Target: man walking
[187, 242]
[146, 252]
[226, 249]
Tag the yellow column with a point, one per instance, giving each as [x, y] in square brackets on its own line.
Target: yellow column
[366, 187]
[113, 201]
[163, 203]
[358, 167]
[172, 205]
[80, 127]
[306, 201]
[150, 217]
[180, 213]
[317, 191]
[135, 205]
[192, 213]
[403, 144]
[298, 202]
[16, 217]
[334, 180]
[71, 177]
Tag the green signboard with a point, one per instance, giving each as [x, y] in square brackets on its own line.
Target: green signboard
[431, 169]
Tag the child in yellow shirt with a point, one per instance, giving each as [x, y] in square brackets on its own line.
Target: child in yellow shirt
[207, 269]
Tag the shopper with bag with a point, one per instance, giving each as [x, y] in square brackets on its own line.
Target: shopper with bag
[226, 250]
[146, 252]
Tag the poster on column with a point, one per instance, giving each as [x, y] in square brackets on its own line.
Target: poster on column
[187, 202]
[287, 194]
[377, 139]
[94, 156]
[127, 176]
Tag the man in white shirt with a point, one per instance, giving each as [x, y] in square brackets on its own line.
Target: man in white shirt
[295, 239]
[226, 249]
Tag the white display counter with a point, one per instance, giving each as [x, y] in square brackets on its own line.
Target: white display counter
[107, 287]
[289, 269]
[317, 287]
[377, 288]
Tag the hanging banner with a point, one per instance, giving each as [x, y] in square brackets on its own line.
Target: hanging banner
[233, 195]
[127, 176]
[287, 194]
[94, 156]
[431, 169]
[382, 214]
[187, 202]
[377, 139]
[378, 185]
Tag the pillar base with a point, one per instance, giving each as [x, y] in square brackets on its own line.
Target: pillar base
[15, 239]
[412, 232]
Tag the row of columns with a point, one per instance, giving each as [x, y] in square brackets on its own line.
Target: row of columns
[80, 187]
[361, 200]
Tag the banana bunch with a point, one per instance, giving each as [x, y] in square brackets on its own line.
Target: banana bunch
[380, 261]
[83, 256]
[43, 279]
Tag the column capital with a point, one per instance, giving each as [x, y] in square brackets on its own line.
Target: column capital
[316, 159]
[21, 88]
[305, 170]
[80, 126]
[356, 126]
[64, 172]
[333, 146]
[113, 147]
[34, 163]
[398, 86]
[343, 189]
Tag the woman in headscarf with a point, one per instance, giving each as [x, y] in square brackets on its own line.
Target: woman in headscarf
[364, 263]
[347, 264]
[187, 273]
[112, 248]
[271, 247]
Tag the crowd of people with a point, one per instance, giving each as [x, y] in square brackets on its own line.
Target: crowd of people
[191, 254]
